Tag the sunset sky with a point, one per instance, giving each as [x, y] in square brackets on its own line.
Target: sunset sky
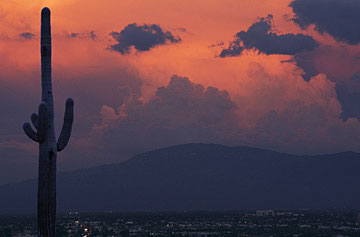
[144, 74]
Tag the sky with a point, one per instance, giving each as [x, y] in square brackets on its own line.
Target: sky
[145, 74]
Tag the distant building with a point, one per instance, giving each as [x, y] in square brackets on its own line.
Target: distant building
[265, 213]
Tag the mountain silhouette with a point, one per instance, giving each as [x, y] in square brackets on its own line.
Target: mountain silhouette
[209, 177]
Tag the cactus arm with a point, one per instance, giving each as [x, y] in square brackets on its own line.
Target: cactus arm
[39, 123]
[34, 120]
[67, 125]
[30, 132]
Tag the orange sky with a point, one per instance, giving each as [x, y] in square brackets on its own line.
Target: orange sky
[259, 84]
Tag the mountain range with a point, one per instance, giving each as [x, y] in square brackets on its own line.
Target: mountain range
[201, 177]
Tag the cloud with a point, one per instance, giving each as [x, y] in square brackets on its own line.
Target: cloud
[338, 18]
[218, 44]
[280, 113]
[356, 78]
[27, 35]
[305, 62]
[259, 37]
[141, 37]
[348, 91]
[340, 66]
[267, 99]
[349, 96]
[298, 115]
[92, 35]
[182, 29]
[83, 35]
[181, 112]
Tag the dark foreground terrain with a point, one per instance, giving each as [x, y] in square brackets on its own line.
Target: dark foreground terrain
[207, 177]
[278, 223]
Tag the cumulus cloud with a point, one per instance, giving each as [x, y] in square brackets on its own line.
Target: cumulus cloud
[141, 37]
[27, 35]
[336, 63]
[180, 112]
[298, 116]
[338, 18]
[280, 113]
[259, 37]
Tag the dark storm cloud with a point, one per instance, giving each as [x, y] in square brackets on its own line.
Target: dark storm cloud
[27, 35]
[260, 37]
[142, 37]
[339, 18]
[305, 62]
[349, 97]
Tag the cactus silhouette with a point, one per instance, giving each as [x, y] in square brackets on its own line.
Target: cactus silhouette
[43, 122]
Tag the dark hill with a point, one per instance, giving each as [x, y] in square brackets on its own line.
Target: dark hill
[202, 177]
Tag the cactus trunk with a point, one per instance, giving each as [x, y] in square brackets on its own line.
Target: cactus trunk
[45, 136]
[47, 148]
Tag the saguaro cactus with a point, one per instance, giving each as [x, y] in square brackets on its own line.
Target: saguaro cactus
[45, 135]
